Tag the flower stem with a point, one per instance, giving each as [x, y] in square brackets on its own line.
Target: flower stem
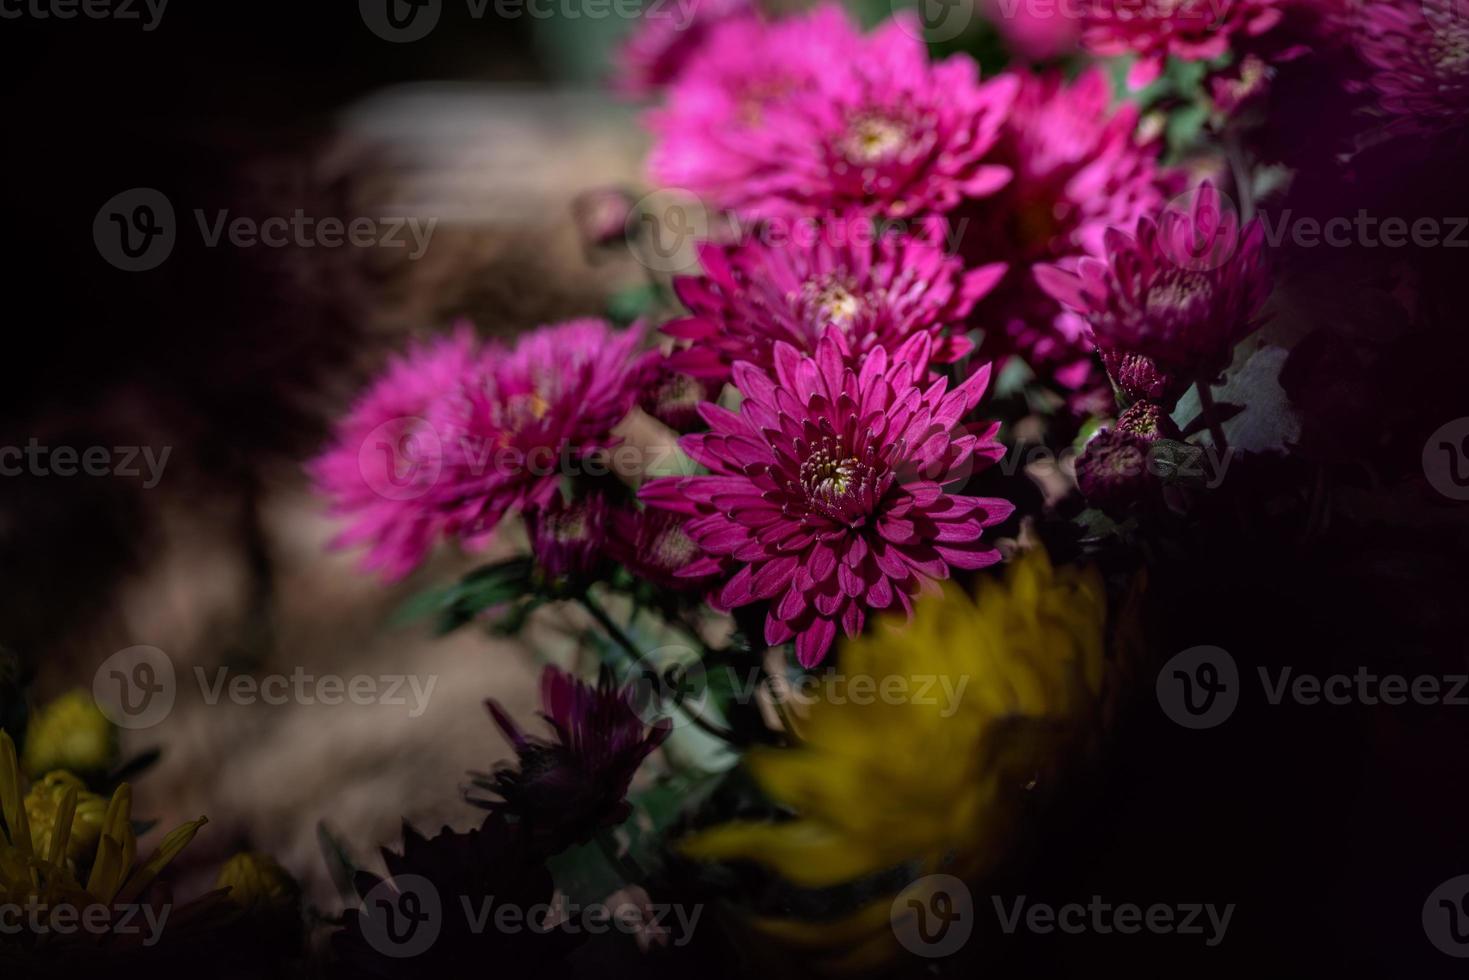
[1210, 413]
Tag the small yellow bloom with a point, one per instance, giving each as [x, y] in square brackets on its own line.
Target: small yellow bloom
[35, 867]
[256, 882]
[70, 733]
[987, 698]
[43, 806]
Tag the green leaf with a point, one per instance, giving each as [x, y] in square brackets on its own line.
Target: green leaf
[457, 604]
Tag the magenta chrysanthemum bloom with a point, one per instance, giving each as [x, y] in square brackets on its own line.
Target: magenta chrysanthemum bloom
[568, 537]
[828, 488]
[385, 459]
[878, 293]
[1183, 292]
[654, 546]
[667, 39]
[811, 118]
[1191, 30]
[1079, 169]
[532, 414]
[1418, 56]
[567, 788]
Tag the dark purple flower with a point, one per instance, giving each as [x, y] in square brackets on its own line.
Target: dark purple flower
[570, 786]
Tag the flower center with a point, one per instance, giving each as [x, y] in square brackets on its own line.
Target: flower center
[871, 138]
[1450, 53]
[827, 475]
[1181, 297]
[673, 549]
[830, 300]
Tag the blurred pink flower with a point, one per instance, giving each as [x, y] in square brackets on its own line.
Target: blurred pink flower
[667, 38]
[385, 458]
[1418, 57]
[655, 547]
[1080, 168]
[532, 413]
[828, 487]
[1032, 32]
[877, 291]
[809, 117]
[1191, 30]
[568, 538]
[1183, 291]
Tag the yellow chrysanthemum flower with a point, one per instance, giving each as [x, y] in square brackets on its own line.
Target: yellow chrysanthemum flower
[975, 701]
[70, 733]
[34, 868]
[43, 805]
[256, 882]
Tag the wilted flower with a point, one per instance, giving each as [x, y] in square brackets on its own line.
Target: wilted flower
[551, 400]
[878, 290]
[1113, 471]
[601, 216]
[808, 117]
[1191, 30]
[1080, 169]
[1023, 667]
[568, 537]
[668, 38]
[1183, 292]
[1138, 377]
[466, 875]
[385, 458]
[70, 733]
[828, 487]
[569, 787]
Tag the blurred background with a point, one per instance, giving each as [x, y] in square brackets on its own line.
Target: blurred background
[224, 365]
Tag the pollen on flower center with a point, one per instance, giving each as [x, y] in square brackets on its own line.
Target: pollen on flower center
[830, 300]
[871, 138]
[828, 476]
[1180, 294]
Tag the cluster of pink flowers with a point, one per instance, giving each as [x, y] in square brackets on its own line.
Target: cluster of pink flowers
[948, 216]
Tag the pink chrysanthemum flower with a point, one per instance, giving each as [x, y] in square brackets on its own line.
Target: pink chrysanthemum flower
[1418, 56]
[1192, 30]
[1079, 169]
[811, 118]
[385, 460]
[667, 39]
[828, 487]
[1183, 292]
[531, 416]
[568, 537]
[654, 546]
[878, 293]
